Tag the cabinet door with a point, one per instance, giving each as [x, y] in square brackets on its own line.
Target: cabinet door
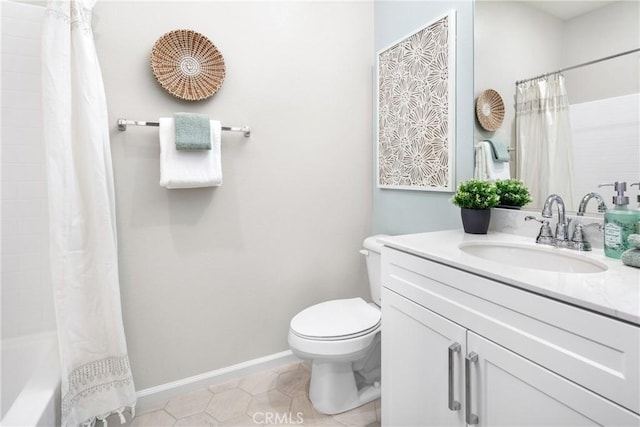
[508, 390]
[416, 366]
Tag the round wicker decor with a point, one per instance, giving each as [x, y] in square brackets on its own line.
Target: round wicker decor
[490, 110]
[187, 65]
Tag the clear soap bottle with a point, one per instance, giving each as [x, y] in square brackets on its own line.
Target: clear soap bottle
[619, 222]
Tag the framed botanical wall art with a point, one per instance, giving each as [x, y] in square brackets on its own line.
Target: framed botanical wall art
[416, 104]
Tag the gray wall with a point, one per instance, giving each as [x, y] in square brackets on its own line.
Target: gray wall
[405, 211]
[603, 32]
[211, 277]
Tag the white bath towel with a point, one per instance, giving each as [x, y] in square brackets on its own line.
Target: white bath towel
[189, 169]
[486, 167]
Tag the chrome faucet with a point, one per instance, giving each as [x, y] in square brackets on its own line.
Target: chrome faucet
[582, 208]
[561, 238]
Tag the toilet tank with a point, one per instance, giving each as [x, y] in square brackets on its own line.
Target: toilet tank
[372, 253]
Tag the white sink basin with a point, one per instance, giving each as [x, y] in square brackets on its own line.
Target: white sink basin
[533, 257]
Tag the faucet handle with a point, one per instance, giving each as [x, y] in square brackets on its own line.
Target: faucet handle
[597, 225]
[545, 235]
[533, 218]
[578, 242]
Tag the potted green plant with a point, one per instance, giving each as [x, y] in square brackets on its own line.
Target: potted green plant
[512, 193]
[475, 199]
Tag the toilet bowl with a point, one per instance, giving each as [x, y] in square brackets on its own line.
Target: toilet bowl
[342, 339]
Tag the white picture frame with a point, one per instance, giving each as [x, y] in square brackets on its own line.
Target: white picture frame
[415, 114]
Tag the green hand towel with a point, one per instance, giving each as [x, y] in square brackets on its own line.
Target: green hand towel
[634, 240]
[631, 257]
[193, 131]
[500, 153]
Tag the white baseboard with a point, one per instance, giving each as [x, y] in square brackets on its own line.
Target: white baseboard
[166, 391]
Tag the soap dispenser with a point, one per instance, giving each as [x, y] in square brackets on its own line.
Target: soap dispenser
[619, 222]
[637, 184]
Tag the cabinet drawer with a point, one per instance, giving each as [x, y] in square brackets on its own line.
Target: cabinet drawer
[595, 351]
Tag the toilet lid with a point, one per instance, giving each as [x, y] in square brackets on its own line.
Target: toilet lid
[337, 318]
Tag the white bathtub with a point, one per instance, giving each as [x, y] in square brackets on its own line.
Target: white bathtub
[31, 381]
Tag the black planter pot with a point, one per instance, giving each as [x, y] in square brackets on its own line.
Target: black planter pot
[475, 221]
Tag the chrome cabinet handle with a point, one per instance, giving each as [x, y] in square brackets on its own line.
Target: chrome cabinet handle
[471, 358]
[454, 405]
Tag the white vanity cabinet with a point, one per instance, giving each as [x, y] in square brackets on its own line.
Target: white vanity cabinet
[462, 349]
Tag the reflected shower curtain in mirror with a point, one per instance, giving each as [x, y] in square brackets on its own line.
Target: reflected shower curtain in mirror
[543, 137]
[96, 377]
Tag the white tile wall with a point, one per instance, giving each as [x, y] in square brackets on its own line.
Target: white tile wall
[605, 146]
[27, 302]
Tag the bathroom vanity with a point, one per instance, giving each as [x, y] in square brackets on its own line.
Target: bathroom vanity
[474, 339]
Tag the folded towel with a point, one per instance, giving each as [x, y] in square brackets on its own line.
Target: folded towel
[487, 168]
[189, 169]
[480, 170]
[193, 131]
[634, 240]
[499, 150]
[631, 257]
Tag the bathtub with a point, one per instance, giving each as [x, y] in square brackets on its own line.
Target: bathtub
[31, 381]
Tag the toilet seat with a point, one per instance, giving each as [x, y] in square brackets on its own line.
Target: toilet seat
[339, 329]
[336, 320]
[339, 338]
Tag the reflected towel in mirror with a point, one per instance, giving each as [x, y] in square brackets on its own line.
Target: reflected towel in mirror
[486, 167]
[498, 150]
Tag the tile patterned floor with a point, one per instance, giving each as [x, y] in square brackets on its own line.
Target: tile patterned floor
[276, 397]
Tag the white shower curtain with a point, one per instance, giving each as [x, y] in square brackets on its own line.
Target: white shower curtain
[96, 377]
[543, 137]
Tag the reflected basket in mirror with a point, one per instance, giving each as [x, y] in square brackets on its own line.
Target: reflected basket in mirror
[490, 110]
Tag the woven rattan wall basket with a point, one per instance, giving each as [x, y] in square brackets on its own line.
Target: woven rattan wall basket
[187, 65]
[490, 110]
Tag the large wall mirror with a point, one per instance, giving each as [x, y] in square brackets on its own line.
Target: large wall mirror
[595, 121]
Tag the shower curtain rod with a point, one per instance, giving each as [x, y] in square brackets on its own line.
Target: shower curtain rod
[580, 65]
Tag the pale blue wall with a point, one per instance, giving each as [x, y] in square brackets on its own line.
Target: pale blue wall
[403, 211]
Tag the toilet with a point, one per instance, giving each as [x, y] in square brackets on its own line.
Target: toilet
[342, 340]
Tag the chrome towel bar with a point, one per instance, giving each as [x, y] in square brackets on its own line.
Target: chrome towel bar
[123, 123]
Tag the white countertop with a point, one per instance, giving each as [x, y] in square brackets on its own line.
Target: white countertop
[615, 292]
